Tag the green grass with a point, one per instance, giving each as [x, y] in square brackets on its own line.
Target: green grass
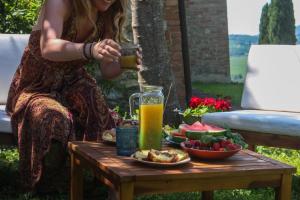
[233, 90]
[238, 68]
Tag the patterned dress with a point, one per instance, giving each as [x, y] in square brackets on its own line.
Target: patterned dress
[53, 101]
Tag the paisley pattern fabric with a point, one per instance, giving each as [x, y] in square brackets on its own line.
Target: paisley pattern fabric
[53, 101]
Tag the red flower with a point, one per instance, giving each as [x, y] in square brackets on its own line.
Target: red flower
[195, 102]
[209, 102]
[222, 105]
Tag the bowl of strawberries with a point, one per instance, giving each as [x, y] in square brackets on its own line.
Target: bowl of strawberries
[211, 151]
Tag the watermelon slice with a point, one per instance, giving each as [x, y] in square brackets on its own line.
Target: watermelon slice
[198, 129]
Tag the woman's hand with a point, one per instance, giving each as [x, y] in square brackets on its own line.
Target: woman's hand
[107, 51]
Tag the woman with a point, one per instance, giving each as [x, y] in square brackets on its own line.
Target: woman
[52, 98]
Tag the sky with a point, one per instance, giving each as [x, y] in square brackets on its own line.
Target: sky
[244, 15]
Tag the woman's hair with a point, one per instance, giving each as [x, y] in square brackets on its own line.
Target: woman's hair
[113, 18]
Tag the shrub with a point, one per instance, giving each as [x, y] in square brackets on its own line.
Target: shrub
[18, 16]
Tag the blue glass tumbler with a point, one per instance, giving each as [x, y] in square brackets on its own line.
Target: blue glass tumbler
[126, 138]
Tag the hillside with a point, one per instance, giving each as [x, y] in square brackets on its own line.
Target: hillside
[239, 45]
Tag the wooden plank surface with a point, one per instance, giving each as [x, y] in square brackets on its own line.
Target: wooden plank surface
[270, 139]
[125, 169]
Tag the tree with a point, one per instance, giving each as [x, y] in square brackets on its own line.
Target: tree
[281, 27]
[148, 31]
[263, 26]
[18, 16]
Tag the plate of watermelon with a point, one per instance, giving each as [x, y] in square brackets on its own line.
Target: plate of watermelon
[175, 140]
[210, 151]
[198, 129]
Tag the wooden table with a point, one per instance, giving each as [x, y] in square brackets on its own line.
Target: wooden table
[128, 177]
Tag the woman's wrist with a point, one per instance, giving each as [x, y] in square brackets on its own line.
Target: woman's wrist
[87, 51]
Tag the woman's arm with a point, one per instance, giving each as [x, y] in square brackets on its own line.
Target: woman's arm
[55, 49]
[52, 47]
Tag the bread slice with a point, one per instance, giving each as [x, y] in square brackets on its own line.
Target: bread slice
[161, 156]
[141, 155]
[180, 155]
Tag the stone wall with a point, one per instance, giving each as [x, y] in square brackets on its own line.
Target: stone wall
[208, 40]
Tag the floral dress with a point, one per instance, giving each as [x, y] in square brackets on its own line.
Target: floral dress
[53, 101]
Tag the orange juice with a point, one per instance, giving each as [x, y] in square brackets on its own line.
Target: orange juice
[128, 62]
[151, 120]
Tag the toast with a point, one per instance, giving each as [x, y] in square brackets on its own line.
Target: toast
[141, 155]
[161, 156]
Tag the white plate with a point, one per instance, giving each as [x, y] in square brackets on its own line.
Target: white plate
[157, 164]
[109, 141]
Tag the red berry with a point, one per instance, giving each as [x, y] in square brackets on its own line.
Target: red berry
[222, 149]
[231, 147]
[197, 144]
[223, 143]
[216, 146]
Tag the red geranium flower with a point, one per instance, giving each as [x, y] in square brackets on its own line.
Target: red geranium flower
[222, 105]
[195, 102]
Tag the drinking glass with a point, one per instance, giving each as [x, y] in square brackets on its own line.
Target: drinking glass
[128, 57]
[126, 139]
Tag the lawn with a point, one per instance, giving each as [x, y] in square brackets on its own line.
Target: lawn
[238, 68]
[9, 178]
[233, 90]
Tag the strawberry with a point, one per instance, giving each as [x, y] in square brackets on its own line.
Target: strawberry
[223, 143]
[216, 146]
[222, 149]
[231, 147]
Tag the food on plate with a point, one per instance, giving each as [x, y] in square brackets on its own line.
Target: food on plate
[221, 145]
[177, 138]
[210, 134]
[166, 156]
[109, 135]
[141, 155]
[197, 129]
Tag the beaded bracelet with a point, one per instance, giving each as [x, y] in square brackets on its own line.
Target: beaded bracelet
[84, 51]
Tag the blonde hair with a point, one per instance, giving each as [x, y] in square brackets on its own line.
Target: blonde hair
[113, 18]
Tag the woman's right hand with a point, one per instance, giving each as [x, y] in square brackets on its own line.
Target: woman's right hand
[106, 50]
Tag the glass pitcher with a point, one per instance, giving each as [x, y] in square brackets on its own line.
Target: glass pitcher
[151, 101]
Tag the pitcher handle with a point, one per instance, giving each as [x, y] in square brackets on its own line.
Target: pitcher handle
[131, 102]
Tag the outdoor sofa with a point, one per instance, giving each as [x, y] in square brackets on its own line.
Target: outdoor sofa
[270, 113]
[11, 50]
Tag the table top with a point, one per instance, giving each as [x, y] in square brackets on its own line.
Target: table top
[244, 163]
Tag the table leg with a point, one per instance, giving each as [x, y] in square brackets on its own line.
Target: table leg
[284, 192]
[125, 191]
[207, 195]
[76, 178]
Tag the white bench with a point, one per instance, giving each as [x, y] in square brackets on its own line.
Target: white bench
[271, 99]
[11, 50]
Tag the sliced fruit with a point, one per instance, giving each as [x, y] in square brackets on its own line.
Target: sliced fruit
[193, 131]
[178, 138]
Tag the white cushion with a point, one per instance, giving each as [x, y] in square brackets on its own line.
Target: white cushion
[283, 123]
[273, 78]
[11, 50]
[5, 126]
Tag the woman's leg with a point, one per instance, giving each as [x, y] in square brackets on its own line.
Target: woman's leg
[85, 100]
[43, 121]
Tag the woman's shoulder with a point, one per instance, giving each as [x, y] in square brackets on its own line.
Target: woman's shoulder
[63, 7]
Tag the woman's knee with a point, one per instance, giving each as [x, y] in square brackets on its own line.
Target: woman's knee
[50, 115]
